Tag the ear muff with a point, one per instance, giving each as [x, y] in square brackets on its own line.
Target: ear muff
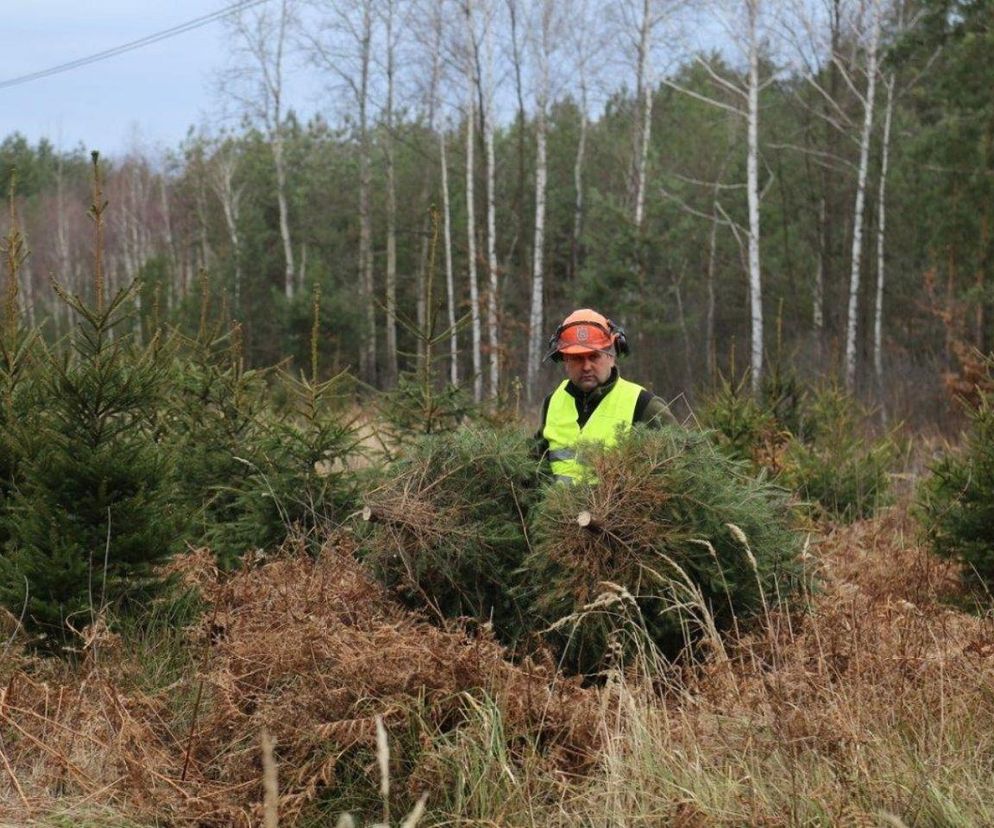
[620, 339]
[553, 352]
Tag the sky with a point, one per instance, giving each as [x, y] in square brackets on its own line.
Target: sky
[146, 98]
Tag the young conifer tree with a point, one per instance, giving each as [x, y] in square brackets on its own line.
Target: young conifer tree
[16, 351]
[91, 519]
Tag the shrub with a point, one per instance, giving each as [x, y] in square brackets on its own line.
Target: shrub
[215, 418]
[677, 536]
[956, 502]
[248, 470]
[740, 424]
[449, 524]
[299, 476]
[838, 470]
[814, 441]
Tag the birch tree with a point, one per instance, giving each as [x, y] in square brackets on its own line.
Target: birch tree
[535, 316]
[221, 171]
[257, 82]
[586, 44]
[742, 22]
[487, 83]
[852, 318]
[643, 94]
[439, 126]
[878, 309]
[342, 45]
[389, 15]
[473, 86]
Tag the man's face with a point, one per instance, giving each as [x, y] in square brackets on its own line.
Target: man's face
[587, 371]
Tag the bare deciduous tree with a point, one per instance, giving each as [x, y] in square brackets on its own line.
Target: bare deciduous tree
[256, 82]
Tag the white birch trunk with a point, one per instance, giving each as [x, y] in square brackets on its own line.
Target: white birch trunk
[474, 289]
[581, 149]
[878, 310]
[492, 281]
[280, 165]
[169, 241]
[818, 301]
[450, 287]
[535, 315]
[712, 358]
[62, 242]
[276, 139]
[230, 197]
[644, 87]
[752, 173]
[852, 322]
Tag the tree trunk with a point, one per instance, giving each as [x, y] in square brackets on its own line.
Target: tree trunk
[367, 351]
[450, 288]
[643, 132]
[581, 149]
[818, 299]
[391, 271]
[62, 242]
[474, 289]
[276, 140]
[230, 199]
[878, 310]
[852, 322]
[169, 241]
[712, 355]
[535, 315]
[517, 208]
[752, 172]
[493, 336]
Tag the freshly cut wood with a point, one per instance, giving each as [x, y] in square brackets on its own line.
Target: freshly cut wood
[585, 520]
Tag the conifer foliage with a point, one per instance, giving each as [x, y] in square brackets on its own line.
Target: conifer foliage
[92, 516]
[674, 539]
[17, 349]
[957, 500]
[249, 470]
[449, 524]
[672, 535]
[814, 441]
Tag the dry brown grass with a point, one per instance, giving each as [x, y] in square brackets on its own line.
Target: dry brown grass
[874, 706]
[309, 652]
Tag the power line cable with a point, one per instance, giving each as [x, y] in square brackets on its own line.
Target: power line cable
[148, 40]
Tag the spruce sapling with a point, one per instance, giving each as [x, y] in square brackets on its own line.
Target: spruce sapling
[92, 518]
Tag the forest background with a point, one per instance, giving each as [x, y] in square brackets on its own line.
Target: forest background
[733, 182]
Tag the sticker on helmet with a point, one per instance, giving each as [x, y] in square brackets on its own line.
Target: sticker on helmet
[582, 333]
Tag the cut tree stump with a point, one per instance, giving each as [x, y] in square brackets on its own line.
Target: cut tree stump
[585, 520]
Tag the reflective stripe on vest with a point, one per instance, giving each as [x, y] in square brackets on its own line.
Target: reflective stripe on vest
[615, 411]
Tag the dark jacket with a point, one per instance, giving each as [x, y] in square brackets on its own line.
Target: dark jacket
[649, 409]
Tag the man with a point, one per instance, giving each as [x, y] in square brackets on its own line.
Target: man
[593, 403]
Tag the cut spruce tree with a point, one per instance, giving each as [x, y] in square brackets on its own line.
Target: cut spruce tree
[673, 541]
[447, 528]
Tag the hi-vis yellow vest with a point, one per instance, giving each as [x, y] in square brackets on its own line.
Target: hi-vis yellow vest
[614, 412]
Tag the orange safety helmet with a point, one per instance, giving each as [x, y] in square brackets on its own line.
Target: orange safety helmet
[585, 331]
